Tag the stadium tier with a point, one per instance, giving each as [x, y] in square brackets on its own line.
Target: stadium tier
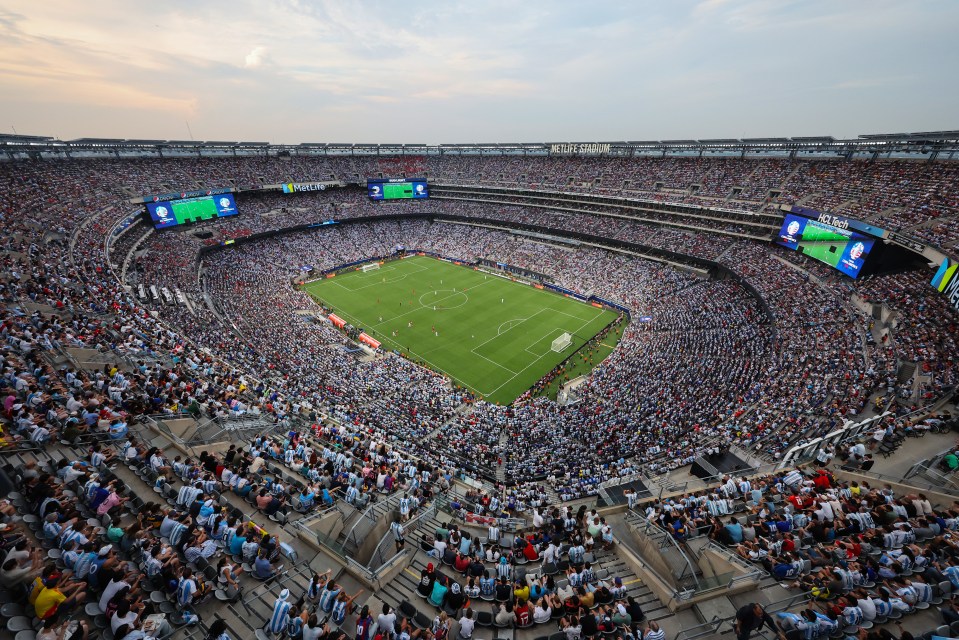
[481, 402]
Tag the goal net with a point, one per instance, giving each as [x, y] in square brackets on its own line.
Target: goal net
[370, 267]
[562, 343]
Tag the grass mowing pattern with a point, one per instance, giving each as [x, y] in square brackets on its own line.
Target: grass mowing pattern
[494, 335]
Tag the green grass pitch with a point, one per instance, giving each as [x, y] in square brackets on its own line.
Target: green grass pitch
[194, 211]
[822, 244]
[828, 252]
[494, 335]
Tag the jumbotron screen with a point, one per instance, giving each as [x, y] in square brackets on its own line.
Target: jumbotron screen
[397, 189]
[171, 213]
[842, 249]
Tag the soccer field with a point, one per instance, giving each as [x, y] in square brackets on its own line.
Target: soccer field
[494, 335]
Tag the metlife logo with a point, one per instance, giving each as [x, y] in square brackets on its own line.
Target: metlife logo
[946, 282]
[294, 187]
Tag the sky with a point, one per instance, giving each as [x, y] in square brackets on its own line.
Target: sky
[365, 71]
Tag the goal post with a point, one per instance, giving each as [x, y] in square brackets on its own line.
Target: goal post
[562, 343]
[370, 267]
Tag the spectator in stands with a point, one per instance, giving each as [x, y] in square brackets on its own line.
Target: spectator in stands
[753, 617]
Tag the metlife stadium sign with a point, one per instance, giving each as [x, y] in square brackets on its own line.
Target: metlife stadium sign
[592, 148]
[300, 187]
[947, 282]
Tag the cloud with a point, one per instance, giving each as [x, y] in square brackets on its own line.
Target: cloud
[258, 57]
[441, 71]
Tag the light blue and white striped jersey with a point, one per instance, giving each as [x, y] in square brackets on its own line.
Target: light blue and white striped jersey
[185, 590]
[280, 617]
[339, 611]
[177, 533]
[82, 566]
[51, 530]
[327, 598]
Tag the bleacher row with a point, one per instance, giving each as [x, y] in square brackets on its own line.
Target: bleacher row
[504, 579]
[860, 557]
[165, 596]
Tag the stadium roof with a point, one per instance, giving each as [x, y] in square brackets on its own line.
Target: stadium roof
[15, 138]
[765, 140]
[931, 144]
[926, 135]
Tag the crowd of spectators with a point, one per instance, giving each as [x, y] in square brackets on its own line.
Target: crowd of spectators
[755, 376]
[861, 554]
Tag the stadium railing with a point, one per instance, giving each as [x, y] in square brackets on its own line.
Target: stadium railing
[658, 537]
[850, 432]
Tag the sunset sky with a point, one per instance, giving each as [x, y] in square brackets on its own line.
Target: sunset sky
[429, 72]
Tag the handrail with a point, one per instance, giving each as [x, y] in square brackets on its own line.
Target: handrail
[411, 526]
[730, 557]
[909, 481]
[843, 434]
[703, 630]
[664, 539]
[314, 514]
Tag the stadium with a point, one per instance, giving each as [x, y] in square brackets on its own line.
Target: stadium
[632, 390]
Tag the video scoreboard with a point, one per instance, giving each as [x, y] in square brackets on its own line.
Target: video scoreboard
[839, 242]
[171, 213]
[397, 188]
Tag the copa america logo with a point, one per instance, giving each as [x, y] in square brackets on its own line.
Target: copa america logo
[162, 212]
[224, 202]
[793, 228]
[857, 250]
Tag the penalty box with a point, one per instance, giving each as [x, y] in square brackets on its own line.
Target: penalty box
[521, 339]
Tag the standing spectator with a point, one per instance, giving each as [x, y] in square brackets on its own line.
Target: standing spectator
[751, 618]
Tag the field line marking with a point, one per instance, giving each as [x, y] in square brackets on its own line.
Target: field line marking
[494, 362]
[508, 330]
[390, 269]
[574, 317]
[544, 355]
[438, 370]
[343, 286]
[516, 320]
[421, 306]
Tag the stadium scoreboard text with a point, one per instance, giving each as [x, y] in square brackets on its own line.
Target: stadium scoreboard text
[171, 213]
[397, 188]
[592, 148]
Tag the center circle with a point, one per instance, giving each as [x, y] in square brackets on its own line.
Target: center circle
[443, 299]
